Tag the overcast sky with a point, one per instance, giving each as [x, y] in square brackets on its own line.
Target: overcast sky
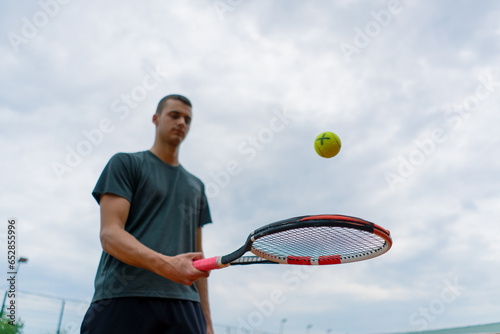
[412, 88]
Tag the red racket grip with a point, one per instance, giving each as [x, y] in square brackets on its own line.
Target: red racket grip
[209, 264]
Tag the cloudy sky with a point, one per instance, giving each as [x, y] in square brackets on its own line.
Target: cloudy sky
[410, 87]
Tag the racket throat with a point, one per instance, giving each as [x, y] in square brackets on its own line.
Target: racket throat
[227, 259]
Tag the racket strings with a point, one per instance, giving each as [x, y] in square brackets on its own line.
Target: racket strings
[319, 241]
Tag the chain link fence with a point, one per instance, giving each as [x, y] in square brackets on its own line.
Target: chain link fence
[45, 314]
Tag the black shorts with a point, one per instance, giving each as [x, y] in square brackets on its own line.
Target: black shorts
[144, 315]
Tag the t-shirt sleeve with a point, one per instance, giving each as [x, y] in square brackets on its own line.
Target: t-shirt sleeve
[116, 178]
[205, 216]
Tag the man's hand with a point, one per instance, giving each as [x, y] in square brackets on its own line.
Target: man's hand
[180, 268]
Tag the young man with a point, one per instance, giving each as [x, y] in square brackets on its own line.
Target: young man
[152, 212]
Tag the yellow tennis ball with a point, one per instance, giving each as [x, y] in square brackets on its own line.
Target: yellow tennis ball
[327, 144]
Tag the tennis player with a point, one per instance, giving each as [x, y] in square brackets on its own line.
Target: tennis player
[152, 213]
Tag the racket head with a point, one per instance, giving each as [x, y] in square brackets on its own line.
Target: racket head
[319, 240]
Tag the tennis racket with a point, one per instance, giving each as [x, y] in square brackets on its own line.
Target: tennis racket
[308, 240]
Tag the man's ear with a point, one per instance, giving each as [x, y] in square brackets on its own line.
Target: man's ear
[155, 119]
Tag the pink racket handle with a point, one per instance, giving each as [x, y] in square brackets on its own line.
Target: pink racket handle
[209, 264]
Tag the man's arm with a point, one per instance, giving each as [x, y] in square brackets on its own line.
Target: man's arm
[122, 245]
[202, 286]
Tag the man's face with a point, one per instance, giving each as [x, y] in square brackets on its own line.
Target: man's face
[172, 125]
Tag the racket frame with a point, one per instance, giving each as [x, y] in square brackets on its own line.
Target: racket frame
[237, 258]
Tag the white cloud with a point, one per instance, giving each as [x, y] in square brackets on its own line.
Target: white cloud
[238, 70]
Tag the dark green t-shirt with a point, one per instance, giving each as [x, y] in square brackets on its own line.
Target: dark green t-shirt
[167, 205]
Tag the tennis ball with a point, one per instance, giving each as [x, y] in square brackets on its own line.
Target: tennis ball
[327, 144]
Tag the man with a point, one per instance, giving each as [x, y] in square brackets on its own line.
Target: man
[152, 212]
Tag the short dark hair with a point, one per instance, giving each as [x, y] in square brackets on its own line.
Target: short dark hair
[177, 97]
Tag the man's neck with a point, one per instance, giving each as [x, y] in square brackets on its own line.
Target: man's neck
[168, 155]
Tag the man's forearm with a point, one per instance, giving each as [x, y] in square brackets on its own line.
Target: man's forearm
[126, 248]
[202, 286]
